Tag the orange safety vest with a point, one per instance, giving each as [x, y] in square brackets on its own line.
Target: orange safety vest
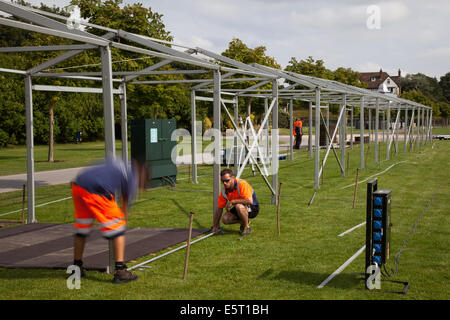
[299, 124]
[242, 190]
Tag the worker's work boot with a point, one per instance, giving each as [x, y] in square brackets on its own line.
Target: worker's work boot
[123, 276]
[79, 264]
[245, 231]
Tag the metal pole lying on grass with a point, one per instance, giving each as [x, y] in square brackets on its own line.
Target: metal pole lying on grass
[169, 252]
[278, 209]
[188, 246]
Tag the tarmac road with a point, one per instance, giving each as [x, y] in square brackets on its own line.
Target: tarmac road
[45, 178]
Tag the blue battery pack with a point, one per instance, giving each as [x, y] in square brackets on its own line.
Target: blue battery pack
[377, 260]
[377, 248]
[377, 225]
[377, 213]
[378, 201]
[376, 236]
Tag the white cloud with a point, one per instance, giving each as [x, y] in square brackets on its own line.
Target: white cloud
[393, 11]
[368, 67]
[326, 17]
[439, 52]
[195, 41]
[413, 36]
[338, 15]
[216, 9]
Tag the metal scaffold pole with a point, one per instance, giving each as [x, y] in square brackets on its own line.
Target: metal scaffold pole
[317, 142]
[361, 133]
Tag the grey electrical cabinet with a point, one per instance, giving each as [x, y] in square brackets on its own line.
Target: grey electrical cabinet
[151, 144]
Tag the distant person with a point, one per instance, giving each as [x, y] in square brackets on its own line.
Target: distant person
[239, 200]
[298, 132]
[93, 194]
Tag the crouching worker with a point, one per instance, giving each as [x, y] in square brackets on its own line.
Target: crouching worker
[93, 194]
[239, 200]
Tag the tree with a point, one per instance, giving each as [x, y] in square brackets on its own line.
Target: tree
[420, 82]
[310, 67]
[348, 76]
[133, 18]
[317, 69]
[445, 86]
[428, 91]
[420, 97]
[239, 51]
[82, 111]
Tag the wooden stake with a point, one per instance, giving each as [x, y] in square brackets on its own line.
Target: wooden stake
[278, 208]
[356, 188]
[188, 247]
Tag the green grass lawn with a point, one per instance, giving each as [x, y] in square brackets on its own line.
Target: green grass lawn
[13, 159]
[263, 265]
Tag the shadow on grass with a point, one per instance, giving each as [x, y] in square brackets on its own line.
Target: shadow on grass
[81, 149]
[314, 279]
[187, 213]
[21, 157]
[46, 161]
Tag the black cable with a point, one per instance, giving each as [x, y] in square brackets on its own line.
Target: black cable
[201, 191]
[171, 182]
[405, 242]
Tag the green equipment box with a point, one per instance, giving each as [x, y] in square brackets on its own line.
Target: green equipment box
[151, 143]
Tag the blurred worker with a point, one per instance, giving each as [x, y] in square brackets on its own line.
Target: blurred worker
[239, 200]
[298, 132]
[94, 196]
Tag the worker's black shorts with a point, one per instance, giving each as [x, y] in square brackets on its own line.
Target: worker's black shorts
[252, 211]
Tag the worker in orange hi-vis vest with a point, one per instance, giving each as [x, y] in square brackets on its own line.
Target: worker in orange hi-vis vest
[298, 133]
[93, 194]
[239, 200]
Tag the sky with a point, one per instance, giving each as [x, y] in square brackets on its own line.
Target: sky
[365, 35]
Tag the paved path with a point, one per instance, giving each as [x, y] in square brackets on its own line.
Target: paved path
[46, 178]
[42, 178]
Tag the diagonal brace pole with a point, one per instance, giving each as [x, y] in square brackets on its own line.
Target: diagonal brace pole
[391, 138]
[246, 147]
[255, 142]
[331, 140]
[330, 143]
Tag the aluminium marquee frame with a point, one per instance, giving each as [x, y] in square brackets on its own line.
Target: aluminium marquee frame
[44, 22]
[325, 91]
[319, 91]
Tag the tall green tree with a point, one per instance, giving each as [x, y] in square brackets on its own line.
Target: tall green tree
[239, 51]
[133, 18]
[144, 101]
[83, 111]
[420, 97]
[423, 83]
[317, 69]
[310, 67]
[444, 83]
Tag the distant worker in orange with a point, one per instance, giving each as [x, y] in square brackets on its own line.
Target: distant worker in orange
[298, 132]
[239, 200]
